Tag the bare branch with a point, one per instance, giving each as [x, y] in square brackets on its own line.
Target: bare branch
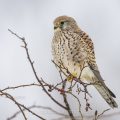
[67, 104]
[76, 83]
[20, 106]
[97, 116]
[20, 86]
[34, 71]
[37, 107]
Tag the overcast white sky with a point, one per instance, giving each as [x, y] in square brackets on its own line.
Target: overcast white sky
[33, 19]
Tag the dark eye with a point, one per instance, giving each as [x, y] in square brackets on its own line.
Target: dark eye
[62, 23]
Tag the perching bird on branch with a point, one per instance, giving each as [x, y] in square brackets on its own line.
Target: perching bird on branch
[73, 52]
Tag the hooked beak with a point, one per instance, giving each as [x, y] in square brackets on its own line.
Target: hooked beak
[57, 28]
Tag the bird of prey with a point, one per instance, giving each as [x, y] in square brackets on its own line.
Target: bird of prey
[73, 52]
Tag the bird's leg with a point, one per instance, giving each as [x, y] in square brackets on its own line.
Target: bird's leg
[70, 78]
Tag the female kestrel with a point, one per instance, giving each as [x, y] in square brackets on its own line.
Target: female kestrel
[73, 52]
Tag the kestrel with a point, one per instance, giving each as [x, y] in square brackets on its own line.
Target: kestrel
[73, 52]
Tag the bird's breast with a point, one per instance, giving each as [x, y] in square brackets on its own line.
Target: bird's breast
[68, 52]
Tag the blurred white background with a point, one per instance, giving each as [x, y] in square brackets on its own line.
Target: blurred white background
[33, 19]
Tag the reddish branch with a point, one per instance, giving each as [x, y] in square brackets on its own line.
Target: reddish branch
[77, 80]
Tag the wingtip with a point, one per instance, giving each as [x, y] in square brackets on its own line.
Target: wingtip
[111, 93]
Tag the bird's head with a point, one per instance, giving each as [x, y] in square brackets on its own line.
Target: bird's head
[65, 23]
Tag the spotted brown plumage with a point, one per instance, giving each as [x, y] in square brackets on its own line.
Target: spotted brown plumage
[73, 50]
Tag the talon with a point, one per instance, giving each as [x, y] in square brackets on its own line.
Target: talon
[72, 76]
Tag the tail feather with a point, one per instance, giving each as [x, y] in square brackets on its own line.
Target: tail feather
[106, 94]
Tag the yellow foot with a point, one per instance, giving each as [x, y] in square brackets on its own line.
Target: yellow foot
[71, 77]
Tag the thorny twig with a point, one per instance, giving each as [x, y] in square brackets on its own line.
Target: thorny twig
[43, 84]
[38, 107]
[20, 106]
[65, 99]
[79, 104]
[34, 71]
[85, 91]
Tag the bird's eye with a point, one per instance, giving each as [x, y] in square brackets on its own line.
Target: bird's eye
[62, 23]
